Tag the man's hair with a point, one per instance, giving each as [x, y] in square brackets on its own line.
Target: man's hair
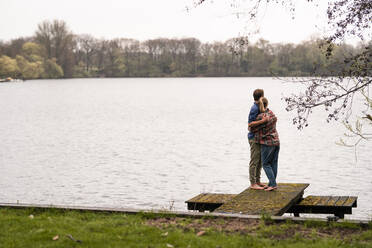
[257, 94]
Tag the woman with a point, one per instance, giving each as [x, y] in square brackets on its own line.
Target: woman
[267, 136]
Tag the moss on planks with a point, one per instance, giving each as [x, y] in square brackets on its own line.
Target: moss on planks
[259, 201]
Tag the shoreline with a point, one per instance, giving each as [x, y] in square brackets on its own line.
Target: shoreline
[173, 77]
[189, 214]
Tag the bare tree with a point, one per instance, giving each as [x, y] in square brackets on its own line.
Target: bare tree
[346, 18]
[57, 40]
[89, 45]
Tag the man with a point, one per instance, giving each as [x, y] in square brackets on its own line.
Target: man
[255, 165]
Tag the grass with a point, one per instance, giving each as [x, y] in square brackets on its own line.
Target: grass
[37, 228]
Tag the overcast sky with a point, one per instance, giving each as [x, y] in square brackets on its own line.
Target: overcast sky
[148, 19]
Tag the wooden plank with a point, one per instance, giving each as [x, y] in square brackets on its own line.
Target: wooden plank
[341, 201]
[333, 200]
[208, 201]
[255, 202]
[323, 200]
[309, 200]
[211, 198]
[329, 201]
[316, 200]
[351, 202]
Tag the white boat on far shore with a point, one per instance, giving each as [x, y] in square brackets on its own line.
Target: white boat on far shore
[9, 79]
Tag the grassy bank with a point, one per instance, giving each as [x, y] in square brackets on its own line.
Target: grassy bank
[59, 228]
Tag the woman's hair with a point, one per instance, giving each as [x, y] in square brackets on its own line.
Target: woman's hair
[263, 103]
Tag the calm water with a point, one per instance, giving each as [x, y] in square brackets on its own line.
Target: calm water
[154, 143]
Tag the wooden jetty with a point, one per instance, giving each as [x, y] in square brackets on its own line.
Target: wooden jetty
[288, 198]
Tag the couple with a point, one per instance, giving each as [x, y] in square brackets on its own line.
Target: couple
[264, 142]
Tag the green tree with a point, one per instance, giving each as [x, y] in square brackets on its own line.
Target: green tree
[33, 52]
[8, 67]
[29, 70]
[52, 69]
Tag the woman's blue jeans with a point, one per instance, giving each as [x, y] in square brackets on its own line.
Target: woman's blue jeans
[269, 158]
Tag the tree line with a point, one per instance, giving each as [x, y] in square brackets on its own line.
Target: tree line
[55, 52]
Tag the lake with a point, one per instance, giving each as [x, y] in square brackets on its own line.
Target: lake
[152, 143]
